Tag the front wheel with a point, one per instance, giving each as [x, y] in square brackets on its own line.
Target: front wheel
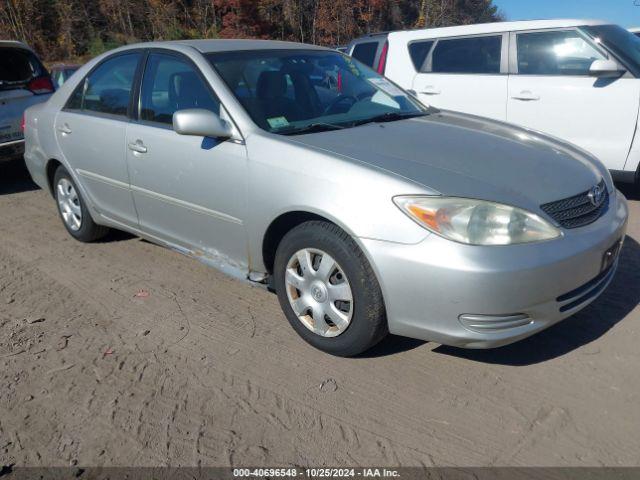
[328, 290]
[72, 209]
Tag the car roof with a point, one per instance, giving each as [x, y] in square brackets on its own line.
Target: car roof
[14, 44]
[230, 45]
[496, 27]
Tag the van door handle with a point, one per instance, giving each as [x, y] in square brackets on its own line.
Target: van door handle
[526, 96]
[138, 147]
[431, 90]
[65, 130]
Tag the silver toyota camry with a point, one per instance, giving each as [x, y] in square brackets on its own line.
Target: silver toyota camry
[298, 168]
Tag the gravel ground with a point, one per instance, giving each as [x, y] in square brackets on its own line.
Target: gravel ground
[205, 370]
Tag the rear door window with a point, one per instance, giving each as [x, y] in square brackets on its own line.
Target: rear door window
[418, 52]
[18, 66]
[366, 53]
[479, 55]
[555, 53]
[107, 89]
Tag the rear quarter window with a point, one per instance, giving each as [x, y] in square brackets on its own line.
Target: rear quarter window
[366, 53]
[18, 65]
[479, 55]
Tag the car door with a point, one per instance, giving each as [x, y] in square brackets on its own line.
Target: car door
[190, 191]
[465, 74]
[91, 129]
[552, 91]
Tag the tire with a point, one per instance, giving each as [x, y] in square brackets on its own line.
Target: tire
[69, 204]
[314, 242]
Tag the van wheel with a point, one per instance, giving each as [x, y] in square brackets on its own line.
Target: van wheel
[328, 290]
[72, 209]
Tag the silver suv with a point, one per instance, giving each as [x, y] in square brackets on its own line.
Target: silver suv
[24, 81]
[365, 211]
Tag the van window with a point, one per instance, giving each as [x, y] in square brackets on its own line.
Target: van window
[418, 52]
[366, 53]
[555, 53]
[468, 55]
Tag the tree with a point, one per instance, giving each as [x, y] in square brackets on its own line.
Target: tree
[66, 29]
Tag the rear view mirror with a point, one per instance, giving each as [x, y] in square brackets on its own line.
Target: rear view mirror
[606, 69]
[201, 123]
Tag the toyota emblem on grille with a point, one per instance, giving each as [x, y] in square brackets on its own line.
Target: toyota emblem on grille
[596, 195]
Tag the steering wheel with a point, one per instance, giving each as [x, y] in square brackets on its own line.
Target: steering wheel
[338, 100]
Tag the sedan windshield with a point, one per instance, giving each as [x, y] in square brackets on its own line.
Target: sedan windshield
[302, 91]
[621, 42]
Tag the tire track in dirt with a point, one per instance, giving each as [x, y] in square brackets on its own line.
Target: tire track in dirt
[206, 371]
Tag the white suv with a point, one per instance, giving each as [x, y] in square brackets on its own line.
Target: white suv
[24, 81]
[576, 80]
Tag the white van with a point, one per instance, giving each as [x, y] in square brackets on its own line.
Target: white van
[577, 80]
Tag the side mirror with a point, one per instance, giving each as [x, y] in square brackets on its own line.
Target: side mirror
[201, 123]
[413, 93]
[606, 69]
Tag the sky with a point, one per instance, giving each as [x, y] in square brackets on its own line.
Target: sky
[622, 12]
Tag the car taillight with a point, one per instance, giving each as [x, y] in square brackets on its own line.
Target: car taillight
[382, 63]
[40, 85]
[22, 123]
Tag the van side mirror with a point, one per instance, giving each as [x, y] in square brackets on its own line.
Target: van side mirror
[201, 123]
[606, 69]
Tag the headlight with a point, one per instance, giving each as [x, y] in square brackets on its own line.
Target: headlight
[476, 222]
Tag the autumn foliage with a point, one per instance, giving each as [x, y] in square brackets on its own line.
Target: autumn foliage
[68, 29]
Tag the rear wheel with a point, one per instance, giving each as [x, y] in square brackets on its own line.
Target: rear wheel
[72, 209]
[328, 291]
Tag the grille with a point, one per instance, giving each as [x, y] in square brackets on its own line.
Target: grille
[577, 211]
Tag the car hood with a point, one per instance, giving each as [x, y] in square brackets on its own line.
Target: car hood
[467, 156]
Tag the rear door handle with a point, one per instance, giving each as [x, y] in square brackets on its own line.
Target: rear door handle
[430, 90]
[138, 147]
[526, 96]
[64, 129]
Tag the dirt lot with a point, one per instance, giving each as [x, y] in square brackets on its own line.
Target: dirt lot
[206, 370]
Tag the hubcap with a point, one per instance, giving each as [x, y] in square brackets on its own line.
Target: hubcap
[69, 204]
[319, 292]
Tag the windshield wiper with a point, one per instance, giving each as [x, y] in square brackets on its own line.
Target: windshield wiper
[313, 127]
[388, 117]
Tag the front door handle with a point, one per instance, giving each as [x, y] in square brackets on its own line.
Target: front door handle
[138, 147]
[64, 129]
[526, 96]
[430, 90]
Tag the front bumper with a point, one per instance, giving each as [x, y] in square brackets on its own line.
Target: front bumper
[484, 297]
